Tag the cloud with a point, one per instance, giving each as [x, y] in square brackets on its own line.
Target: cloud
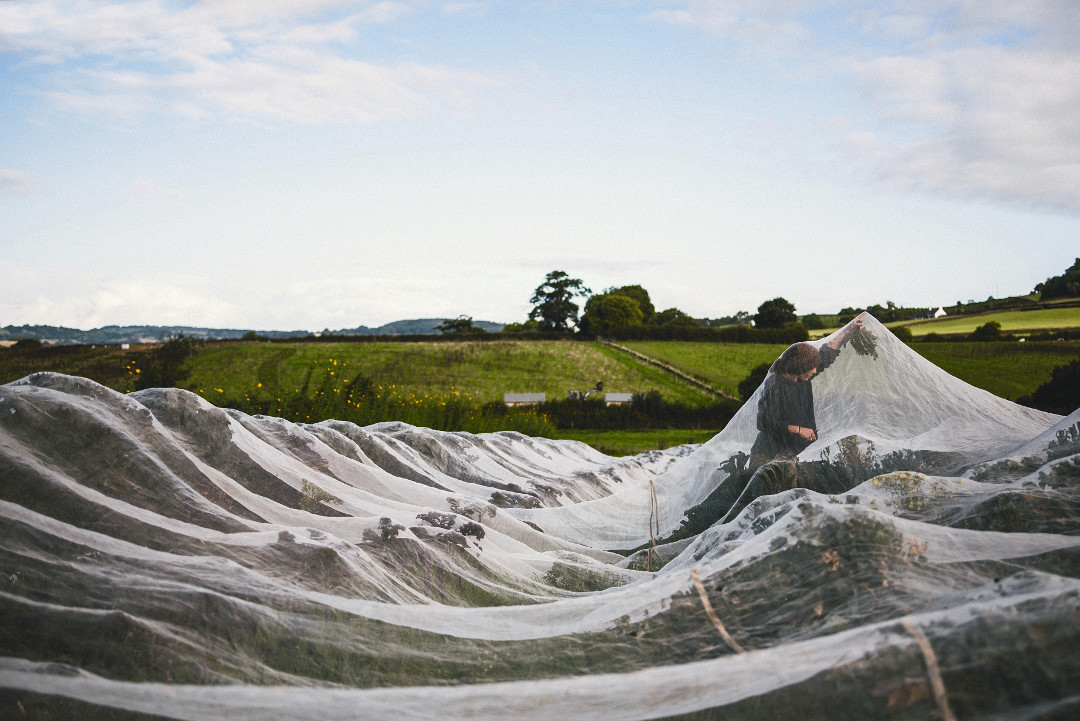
[82, 298]
[272, 60]
[768, 26]
[16, 182]
[994, 122]
[964, 98]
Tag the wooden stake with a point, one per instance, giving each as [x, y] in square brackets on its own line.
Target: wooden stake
[937, 684]
[654, 521]
[712, 614]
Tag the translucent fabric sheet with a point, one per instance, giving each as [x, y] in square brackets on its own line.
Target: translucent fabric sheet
[161, 557]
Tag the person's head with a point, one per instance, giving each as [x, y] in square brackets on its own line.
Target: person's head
[800, 360]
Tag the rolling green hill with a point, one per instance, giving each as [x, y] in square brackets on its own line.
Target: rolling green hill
[1008, 369]
[721, 365]
[1012, 321]
[480, 370]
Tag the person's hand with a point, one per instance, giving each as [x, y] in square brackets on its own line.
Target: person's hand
[807, 434]
[853, 325]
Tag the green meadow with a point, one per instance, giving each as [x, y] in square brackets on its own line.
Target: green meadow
[720, 365]
[443, 383]
[482, 371]
[627, 443]
[1017, 322]
[1012, 321]
[1006, 369]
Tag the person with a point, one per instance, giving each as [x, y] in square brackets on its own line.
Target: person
[786, 422]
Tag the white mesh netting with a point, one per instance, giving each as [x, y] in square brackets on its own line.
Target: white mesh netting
[165, 558]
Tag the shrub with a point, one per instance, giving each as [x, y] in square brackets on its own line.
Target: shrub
[646, 410]
[988, 332]
[748, 385]
[360, 401]
[163, 366]
[1061, 394]
[903, 333]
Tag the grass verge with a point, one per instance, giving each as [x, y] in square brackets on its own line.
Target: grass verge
[628, 443]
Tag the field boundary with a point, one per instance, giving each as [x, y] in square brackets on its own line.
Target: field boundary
[670, 369]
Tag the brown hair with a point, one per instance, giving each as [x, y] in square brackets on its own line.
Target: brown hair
[797, 359]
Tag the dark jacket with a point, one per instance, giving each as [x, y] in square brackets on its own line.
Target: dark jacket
[785, 402]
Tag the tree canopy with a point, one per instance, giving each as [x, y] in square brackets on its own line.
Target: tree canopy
[641, 296]
[553, 304]
[610, 314]
[1066, 285]
[674, 316]
[775, 313]
[462, 325]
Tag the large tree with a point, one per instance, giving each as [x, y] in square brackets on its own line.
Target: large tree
[1066, 285]
[462, 325]
[610, 314]
[639, 294]
[553, 301]
[675, 317]
[775, 313]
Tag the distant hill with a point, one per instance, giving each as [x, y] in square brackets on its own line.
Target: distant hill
[61, 335]
[420, 326]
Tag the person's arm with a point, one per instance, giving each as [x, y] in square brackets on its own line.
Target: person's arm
[845, 335]
[773, 416]
[828, 355]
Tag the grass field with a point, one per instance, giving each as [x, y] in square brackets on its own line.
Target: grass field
[627, 443]
[1008, 370]
[482, 371]
[102, 364]
[1012, 321]
[721, 365]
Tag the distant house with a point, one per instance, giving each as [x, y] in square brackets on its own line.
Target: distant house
[616, 399]
[939, 312]
[524, 399]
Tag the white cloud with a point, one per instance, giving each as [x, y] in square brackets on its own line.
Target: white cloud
[268, 60]
[999, 122]
[768, 26]
[968, 98]
[80, 299]
[909, 88]
[16, 182]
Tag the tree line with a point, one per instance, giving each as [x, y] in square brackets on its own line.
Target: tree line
[628, 313]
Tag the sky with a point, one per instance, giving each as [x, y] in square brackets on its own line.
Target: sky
[281, 165]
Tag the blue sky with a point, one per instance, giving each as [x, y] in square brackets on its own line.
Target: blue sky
[283, 165]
